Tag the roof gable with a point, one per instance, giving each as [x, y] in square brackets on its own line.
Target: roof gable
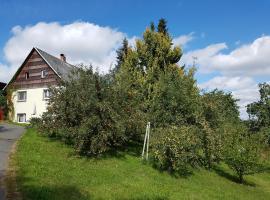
[60, 68]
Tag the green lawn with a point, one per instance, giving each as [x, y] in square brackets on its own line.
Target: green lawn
[50, 170]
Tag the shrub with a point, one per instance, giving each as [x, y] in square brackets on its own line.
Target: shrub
[265, 132]
[85, 113]
[219, 112]
[211, 144]
[242, 152]
[3, 103]
[176, 149]
[35, 122]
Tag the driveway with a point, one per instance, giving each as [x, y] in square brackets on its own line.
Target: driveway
[8, 135]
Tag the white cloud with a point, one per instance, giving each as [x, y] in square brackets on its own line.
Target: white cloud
[230, 83]
[182, 40]
[6, 72]
[248, 60]
[203, 56]
[238, 68]
[243, 88]
[80, 41]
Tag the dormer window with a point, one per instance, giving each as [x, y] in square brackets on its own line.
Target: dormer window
[44, 73]
[26, 75]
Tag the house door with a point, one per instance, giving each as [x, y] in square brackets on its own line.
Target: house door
[1, 114]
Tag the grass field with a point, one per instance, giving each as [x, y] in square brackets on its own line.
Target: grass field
[48, 169]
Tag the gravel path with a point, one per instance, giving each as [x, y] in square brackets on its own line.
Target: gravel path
[8, 135]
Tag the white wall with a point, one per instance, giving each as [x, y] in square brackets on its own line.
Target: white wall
[33, 101]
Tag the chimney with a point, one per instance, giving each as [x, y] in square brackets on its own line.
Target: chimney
[63, 57]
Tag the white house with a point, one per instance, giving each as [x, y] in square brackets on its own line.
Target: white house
[29, 85]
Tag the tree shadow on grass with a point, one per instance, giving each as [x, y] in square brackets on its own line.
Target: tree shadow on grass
[19, 186]
[145, 198]
[30, 189]
[51, 192]
[132, 149]
[183, 173]
[221, 172]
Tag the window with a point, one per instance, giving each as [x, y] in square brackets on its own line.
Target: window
[22, 96]
[26, 75]
[46, 94]
[44, 73]
[21, 117]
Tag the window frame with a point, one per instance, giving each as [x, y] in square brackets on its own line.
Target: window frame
[26, 75]
[44, 73]
[44, 92]
[18, 117]
[22, 100]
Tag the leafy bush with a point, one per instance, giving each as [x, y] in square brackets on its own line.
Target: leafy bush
[176, 149]
[219, 112]
[83, 112]
[175, 99]
[265, 132]
[259, 112]
[3, 103]
[242, 152]
[211, 144]
[35, 122]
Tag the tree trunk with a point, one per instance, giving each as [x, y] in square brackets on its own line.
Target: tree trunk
[240, 176]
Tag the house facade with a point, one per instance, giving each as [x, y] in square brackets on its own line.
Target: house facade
[29, 87]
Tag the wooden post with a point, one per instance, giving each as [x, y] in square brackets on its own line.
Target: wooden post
[148, 137]
[146, 141]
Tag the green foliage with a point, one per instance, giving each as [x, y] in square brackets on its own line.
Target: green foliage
[35, 122]
[3, 100]
[162, 26]
[152, 26]
[141, 83]
[210, 144]
[259, 112]
[174, 100]
[265, 133]
[99, 113]
[176, 149]
[219, 110]
[6, 98]
[153, 81]
[129, 98]
[82, 113]
[153, 87]
[242, 152]
[121, 54]
[4, 103]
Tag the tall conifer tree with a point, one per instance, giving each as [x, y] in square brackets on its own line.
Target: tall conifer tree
[121, 54]
[162, 26]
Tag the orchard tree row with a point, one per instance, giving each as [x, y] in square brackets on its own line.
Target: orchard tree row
[97, 113]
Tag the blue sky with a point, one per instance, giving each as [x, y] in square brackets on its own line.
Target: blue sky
[228, 20]
[230, 38]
